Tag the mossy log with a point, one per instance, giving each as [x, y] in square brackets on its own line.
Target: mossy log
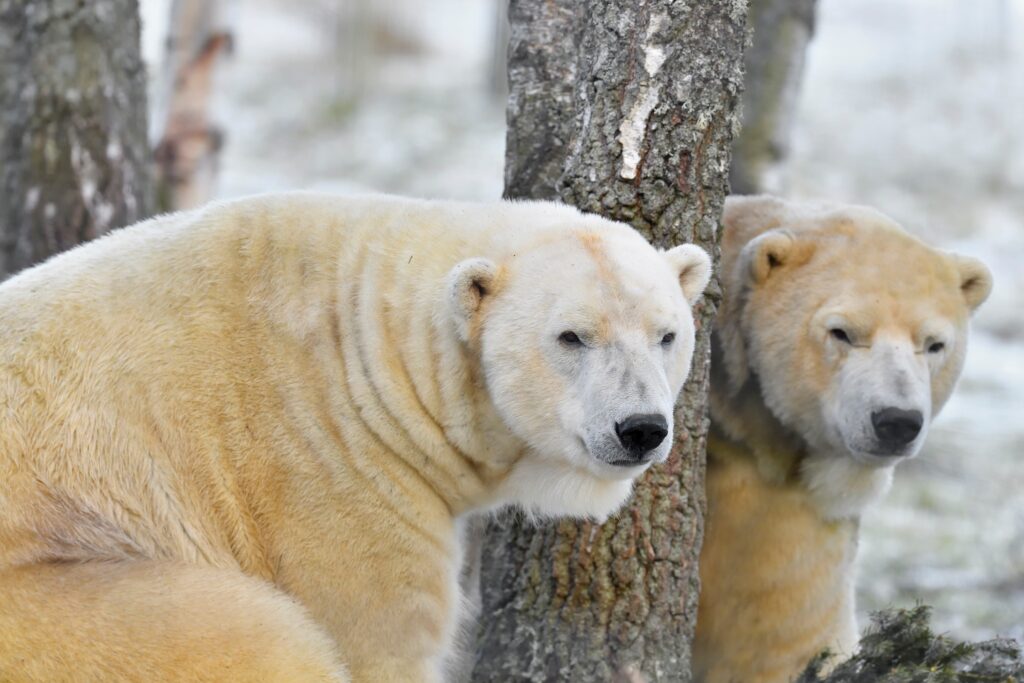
[900, 647]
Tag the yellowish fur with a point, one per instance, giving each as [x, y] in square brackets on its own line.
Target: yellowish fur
[784, 494]
[776, 579]
[237, 443]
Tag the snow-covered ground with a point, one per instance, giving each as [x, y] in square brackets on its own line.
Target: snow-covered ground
[913, 106]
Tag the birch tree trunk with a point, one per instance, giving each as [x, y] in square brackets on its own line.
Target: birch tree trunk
[626, 110]
[188, 149]
[74, 160]
[782, 30]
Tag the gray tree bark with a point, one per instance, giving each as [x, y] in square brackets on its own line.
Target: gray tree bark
[782, 30]
[627, 110]
[542, 47]
[74, 159]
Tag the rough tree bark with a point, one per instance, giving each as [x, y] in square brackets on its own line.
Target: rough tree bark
[74, 159]
[627, 110]
[782, 30]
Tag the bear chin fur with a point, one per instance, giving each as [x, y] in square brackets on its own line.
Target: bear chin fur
[552, 489]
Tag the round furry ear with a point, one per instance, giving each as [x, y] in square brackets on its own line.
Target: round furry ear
[693, 266]
[975, 280]
[468, 284]
[766, 252]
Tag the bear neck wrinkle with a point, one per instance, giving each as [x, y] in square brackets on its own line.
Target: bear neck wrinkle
[469, 419]
[418, 389]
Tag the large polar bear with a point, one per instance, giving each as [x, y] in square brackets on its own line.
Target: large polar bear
[237, 444]
[840, 337]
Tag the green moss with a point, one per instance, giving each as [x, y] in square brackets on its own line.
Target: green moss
[900, 647]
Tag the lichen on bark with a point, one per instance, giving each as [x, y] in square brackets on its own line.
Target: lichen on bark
[74, 158]
[641, 133]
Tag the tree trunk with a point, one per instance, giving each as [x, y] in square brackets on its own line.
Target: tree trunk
[187, 153]
[541, 56]
[782, 30]
[74, 160]
[626, 110]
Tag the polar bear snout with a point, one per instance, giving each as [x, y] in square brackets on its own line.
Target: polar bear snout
[895, 429]
[626, 397]
[881, 403]
[639, 436]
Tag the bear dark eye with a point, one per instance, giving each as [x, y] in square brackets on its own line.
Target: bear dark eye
[935, 347]
[570, 338]
[668, 338]
[840, 334]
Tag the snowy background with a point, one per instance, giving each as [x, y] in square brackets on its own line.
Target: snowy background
[913, 106]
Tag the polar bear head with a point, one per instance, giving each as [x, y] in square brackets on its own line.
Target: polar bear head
[851, 332]
[585, 336]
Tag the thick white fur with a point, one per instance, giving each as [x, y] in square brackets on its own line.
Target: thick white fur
[793, 458]
[694, 268]
[554, 489]
[268, 419]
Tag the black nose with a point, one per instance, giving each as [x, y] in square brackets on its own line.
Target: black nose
[895, 427]
[640, 434]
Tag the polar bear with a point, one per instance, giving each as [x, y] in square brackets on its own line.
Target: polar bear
[239, 443]
[839, 339]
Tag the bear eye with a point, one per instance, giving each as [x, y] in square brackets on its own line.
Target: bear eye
[935, 347]
[668, 338]
[840, 334]
[570, 338]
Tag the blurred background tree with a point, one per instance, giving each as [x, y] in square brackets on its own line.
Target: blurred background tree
[74, 158]
[187, 140]
[781, 31]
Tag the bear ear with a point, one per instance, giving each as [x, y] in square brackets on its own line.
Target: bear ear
[766, 253]
[975, 280]
[756, 261]
[693, 267]
[468, 284]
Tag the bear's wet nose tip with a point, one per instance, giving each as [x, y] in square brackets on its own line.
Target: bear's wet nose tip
[640, 434]
[895, 427]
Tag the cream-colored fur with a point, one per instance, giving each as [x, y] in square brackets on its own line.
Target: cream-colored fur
[238, 444]
[831, 314]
